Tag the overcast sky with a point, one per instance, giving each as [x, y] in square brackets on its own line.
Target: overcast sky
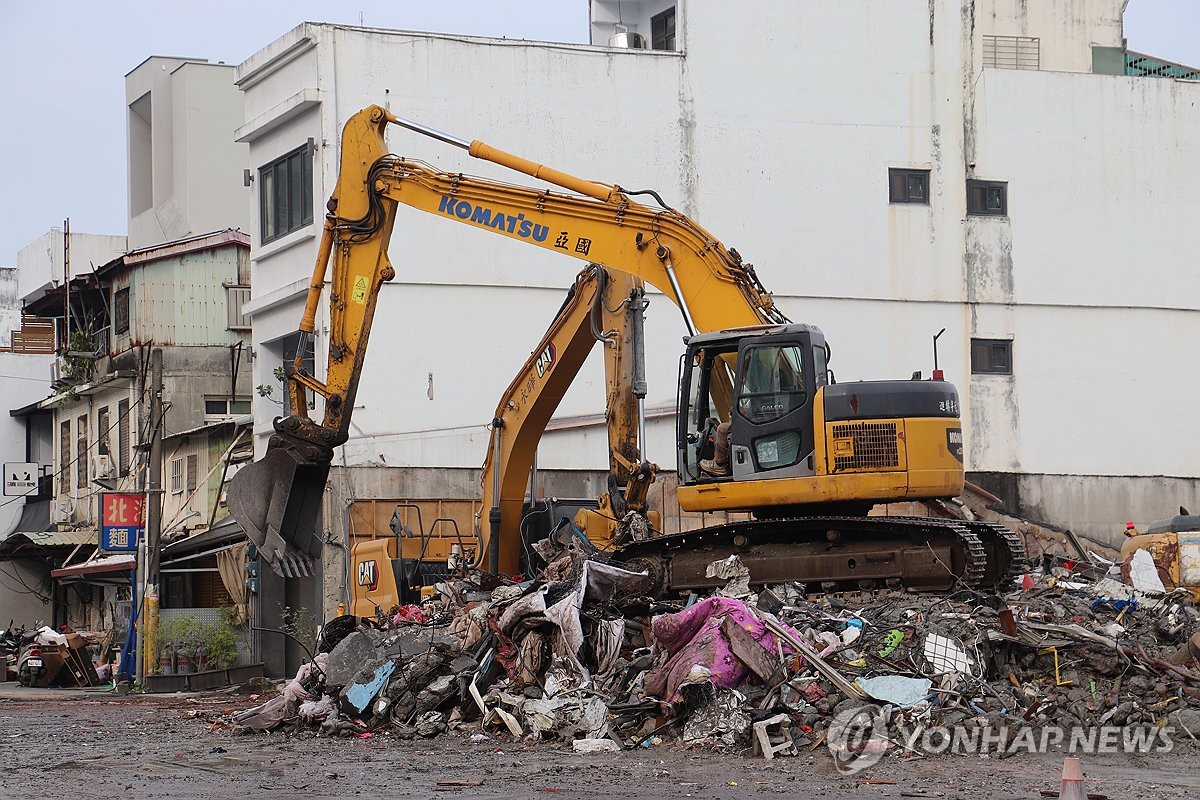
[63, 65]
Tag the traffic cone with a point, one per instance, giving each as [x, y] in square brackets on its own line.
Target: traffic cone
[1072, 780]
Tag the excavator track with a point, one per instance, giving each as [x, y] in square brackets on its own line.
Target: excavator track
[827, 554]
[1005, 554]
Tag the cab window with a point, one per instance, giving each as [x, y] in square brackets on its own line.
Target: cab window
[772, 382]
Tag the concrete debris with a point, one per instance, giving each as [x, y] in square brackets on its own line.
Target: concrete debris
[582, 656]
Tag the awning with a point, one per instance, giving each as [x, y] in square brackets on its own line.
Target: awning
[108, 565]
[225, 533]
[34, 517]
[57, 538]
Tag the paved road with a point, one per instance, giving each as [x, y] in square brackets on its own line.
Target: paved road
[84, 743]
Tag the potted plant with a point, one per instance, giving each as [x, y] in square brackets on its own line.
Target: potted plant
[176, 644]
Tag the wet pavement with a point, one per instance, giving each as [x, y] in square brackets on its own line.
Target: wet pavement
[175, 746]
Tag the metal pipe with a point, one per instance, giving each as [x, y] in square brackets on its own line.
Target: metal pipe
[637, 308]
[664, 255]
[494, 512]
[486, 152]
[308, 320]
[432, 133]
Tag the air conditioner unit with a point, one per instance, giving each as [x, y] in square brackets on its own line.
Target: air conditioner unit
[102, 467]
[61, 510]
[627, 39]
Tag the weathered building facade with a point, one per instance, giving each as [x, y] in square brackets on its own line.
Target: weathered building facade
[177, 284]
[991, 167]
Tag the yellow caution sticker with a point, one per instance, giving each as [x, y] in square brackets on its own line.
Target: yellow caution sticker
[359, 295]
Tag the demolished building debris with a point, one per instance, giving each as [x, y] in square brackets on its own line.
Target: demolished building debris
[582, 656]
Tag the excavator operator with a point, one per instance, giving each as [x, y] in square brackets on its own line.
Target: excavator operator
[773, 385]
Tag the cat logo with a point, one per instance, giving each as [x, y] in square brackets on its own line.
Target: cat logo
[545, 360]
[368, 575]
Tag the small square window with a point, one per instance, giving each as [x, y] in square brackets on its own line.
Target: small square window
[908, 186]
[987, 198]
[991, 356]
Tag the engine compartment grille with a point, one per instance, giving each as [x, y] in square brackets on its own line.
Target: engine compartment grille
[865, 445]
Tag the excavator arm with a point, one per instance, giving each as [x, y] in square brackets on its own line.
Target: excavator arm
[277, 499]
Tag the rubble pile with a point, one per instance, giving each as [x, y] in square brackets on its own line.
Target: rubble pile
[581, 655]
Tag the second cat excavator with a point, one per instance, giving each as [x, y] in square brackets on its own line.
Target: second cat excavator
[808, 458]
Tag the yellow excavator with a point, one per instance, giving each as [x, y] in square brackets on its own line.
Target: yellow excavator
[807, 457]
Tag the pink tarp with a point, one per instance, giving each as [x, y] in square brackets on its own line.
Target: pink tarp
[699, 652]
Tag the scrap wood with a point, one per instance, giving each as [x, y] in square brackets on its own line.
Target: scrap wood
[830, 674]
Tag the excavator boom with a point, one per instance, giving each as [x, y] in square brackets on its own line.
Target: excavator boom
[277, 499]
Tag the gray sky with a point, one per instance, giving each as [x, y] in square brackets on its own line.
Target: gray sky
[63, 66]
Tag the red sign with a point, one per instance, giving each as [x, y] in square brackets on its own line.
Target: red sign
[122, 510]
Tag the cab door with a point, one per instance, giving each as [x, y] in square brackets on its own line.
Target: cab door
[771, 428]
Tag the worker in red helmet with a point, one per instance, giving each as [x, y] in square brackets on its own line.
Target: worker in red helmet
[1131, 530]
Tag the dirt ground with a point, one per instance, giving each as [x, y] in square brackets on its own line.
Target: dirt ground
[168, 746]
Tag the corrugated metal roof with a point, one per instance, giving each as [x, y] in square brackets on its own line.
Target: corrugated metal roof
[59, 538]
[240, 420]
[107, 564]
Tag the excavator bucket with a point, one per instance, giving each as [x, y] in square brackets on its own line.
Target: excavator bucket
[277, 501]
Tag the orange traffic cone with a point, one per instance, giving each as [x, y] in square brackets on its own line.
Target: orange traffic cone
[1072, 780]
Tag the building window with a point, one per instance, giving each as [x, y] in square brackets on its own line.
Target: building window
[662, 30]
[987, 198]
[991, 356]
[176, 476]
[123, 438]
[193, 470]
[64, 458]
[102, 425]
[121, 311]
[908, 186]
[1012, 52]
[81, 449]
[236, 298]
[222, 407]
[285, 189]
[308, 364]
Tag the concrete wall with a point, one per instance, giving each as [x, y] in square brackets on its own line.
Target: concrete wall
[40, 263]
[185, 168]
[1067, 28]
[10, 304]
[1092, 505]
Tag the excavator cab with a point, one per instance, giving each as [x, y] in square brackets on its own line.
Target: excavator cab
[763, 381]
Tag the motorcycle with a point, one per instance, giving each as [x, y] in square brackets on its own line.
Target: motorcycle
[10, 647]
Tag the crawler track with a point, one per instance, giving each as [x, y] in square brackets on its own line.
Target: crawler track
[833, 553]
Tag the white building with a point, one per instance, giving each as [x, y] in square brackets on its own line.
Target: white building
[997, 168]
[185, 169]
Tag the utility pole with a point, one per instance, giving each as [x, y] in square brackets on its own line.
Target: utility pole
[149, 579]
[154, 511]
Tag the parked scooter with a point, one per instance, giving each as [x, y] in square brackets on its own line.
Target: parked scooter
[31, 664]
